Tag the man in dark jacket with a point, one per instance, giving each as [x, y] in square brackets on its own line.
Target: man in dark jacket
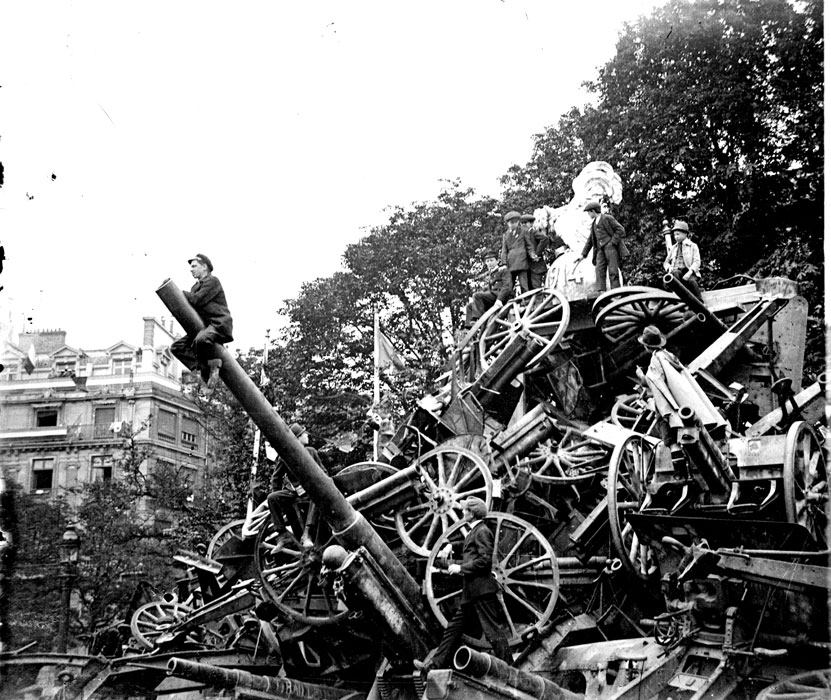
[495, 288]
[479, 610]
[606, 243]
[516, 253]
[208, 300]
[539, 244]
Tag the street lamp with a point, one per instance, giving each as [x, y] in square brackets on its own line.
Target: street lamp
[68, 550]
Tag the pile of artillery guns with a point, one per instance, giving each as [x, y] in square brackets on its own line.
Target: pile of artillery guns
[629, 566]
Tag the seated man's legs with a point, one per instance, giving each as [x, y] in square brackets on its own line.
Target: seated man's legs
[182, 349]
[479, 303]
[283, 510]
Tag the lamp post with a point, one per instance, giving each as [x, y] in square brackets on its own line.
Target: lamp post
[68, 549]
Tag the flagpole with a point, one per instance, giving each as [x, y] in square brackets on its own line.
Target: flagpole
[255, 453]
[376, 377]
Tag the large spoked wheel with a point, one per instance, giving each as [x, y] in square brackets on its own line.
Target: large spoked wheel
[542, 313]
[633, 413]
[223, 535]
[625, 318]
[361, 475]
[525, 568]
[630, 471]
[448, 475]
[805, 481]
[154, 619]
[574, 460]
[289, 571]
[811, 685]
[617, 294]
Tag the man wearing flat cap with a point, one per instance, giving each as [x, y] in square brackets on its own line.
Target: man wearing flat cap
[208, 300]
[479, 611]
[516, 253]
[538, 241]
[684, 260]
[494, 289]
[607, 246]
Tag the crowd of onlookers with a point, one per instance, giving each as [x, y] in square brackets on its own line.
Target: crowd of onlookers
[527, 251]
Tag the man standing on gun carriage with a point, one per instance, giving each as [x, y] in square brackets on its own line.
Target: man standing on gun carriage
[517, 253]
[208, 300]
[479, 610]
[607, 246]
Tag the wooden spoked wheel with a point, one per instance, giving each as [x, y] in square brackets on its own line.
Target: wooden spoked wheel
[448, 476]
[811, 685]
[254, 521]
[805, 481]
[630, 470]
[361, 475]
[575, 462]
[156, 618]
[542, 313]
[633, 413]
[625, 318]
[525, 568]
[617, 294]
[223, 535]
[289, 570]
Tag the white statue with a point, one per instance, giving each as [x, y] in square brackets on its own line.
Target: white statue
[597, 181]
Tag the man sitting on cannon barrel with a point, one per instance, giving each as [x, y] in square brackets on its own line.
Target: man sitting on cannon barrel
[495, 288]
[208, 300]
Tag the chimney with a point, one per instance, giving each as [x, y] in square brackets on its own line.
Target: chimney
[149, 323]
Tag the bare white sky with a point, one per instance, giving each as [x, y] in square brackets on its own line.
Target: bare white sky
[267, 135]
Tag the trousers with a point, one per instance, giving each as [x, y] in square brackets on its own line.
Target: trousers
[691, 283]
[474, 617]
[607, 258]
[195, 350]
[478, 304]
[524, 280]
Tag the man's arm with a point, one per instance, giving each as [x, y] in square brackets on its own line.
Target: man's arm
[530, 248]
[695, 266]
[482, 561]
[668, 261]
[209, 288]
[588, 246]
[503, 253]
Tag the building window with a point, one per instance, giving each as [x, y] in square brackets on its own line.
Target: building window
[42, 473]
[46, 417]
[190, 432]
[122, 364]
[102, 468]
[166, 429]
[104, 419]
[64, 367]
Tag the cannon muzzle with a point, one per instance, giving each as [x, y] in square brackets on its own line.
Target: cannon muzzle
[488, 668]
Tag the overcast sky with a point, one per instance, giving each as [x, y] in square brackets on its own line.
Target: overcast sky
[267, 135]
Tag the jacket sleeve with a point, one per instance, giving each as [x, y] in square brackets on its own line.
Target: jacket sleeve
[206, 292]
[482, 561]
[528, 240]
[503, 253]
[695, 267]
[588, 246]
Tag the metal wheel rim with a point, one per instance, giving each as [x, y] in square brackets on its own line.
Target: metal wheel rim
[225, 533]
[623, 319]
[538, 573]
[458, 474]
[283, 565]
[543, 313]
[153, 619]
[612, 295]
[811, 685]
[634, 554]
[804, 479]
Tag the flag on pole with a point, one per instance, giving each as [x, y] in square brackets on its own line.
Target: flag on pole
[387, 354]
[30, 361]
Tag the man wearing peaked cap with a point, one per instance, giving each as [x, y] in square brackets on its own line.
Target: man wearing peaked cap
[684, 259]
[479, 610]
[516, 253]
[606, 244]
[208, 300]
[494, 289]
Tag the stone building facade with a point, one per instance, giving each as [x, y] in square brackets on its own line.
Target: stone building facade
[65, 422]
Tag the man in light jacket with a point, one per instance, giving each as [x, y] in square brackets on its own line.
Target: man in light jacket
[683, 260]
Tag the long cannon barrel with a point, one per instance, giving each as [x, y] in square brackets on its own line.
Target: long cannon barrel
[486, 667]
[234, 678]
[805, 398]
[712, 322]
[350, 527]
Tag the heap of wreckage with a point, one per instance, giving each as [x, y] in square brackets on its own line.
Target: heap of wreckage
[625, 570]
